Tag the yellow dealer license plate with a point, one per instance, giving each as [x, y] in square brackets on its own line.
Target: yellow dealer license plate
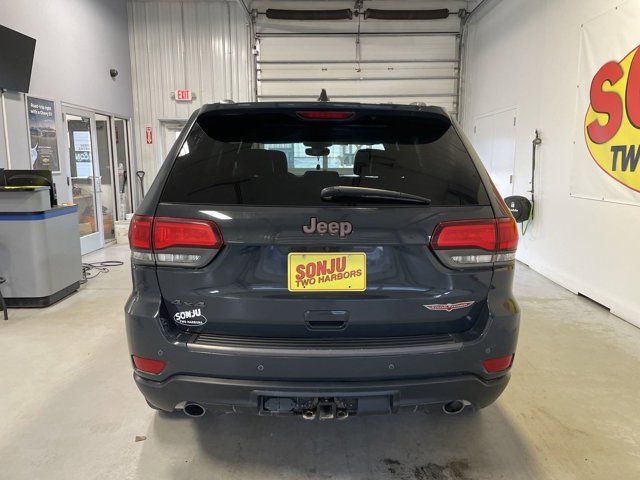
[327, 272]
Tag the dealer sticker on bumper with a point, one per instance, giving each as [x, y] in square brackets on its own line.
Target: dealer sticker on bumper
[327, 272]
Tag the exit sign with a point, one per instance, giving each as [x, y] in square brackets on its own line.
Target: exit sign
[182, 95]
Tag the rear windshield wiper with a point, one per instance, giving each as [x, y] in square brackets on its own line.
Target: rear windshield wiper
[339, 193]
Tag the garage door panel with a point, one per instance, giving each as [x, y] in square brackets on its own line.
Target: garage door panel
[348, 70]
[386, 88]
[301, 48]
[398, 69]
[344, 48]
[408, 47]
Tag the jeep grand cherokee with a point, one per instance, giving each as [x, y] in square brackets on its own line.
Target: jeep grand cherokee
[322, 260]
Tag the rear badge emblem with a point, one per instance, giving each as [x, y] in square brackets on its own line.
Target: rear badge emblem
[448, 307]
[342, 229]
[190, 318]
[182, 303]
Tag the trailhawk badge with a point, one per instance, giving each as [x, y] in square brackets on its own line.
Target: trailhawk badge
[448, 307]
[190, 318]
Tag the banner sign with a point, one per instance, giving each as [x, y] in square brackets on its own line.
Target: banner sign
[42, 134]
[606, 161]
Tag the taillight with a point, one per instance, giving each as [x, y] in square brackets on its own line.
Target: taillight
[177, 232]
[475, 243]
[184, 242]
[324, 115]
[507, 234]
[148, 365]
[140, 232]
[465, 234]
[499, 364]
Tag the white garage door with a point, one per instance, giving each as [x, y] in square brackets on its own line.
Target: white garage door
[399, 68]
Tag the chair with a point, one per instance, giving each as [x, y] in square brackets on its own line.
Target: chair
[2, 303]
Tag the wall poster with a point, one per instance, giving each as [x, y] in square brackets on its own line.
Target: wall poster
[42, 134]
[606, 160]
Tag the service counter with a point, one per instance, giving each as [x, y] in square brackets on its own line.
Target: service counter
[39, 248]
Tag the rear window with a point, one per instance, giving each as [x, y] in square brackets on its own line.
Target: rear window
[280, 159]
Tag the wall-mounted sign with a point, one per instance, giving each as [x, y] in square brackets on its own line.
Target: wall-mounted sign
[82, 153]
[148, 133]
[606, 164]
[612, 123]
[42, 134]
[182, 95]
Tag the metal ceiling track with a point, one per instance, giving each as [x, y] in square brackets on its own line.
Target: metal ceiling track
[354, 79]
[353, 34]
[364, 62]
[370, 95]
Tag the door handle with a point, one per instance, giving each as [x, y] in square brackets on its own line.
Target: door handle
[326, 319]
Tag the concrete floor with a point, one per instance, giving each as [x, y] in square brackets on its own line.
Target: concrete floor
[69, 408]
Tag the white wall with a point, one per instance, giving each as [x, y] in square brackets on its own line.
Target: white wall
[525, 54]
[197, 45]
[78, 41]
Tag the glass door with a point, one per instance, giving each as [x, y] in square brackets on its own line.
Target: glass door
[85, 177]
[106, 186]
[124, 180]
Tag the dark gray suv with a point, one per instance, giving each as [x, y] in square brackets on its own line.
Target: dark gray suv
[322, 260]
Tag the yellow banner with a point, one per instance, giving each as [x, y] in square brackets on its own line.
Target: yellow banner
[327, 272]
[606, 152]
[612, 122]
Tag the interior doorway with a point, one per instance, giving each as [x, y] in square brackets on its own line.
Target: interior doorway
[107, 182]
[113, 156]
[170, 132]
[494, 139]
[84, 175]
[122, 163]
[99, 166]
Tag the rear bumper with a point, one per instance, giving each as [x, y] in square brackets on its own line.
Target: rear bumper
[234, 377]
[240, 395]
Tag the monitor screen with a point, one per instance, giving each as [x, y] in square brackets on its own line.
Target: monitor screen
[33, 178]
[29, 178]
[16, 59]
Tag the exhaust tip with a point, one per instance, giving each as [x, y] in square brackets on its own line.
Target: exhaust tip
[454, 407]
[309, 415]
[194, 409]
[342, 414]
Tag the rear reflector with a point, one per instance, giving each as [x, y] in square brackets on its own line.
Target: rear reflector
[493, 365]
[148, 365]
[177, 232]
[324, 115]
